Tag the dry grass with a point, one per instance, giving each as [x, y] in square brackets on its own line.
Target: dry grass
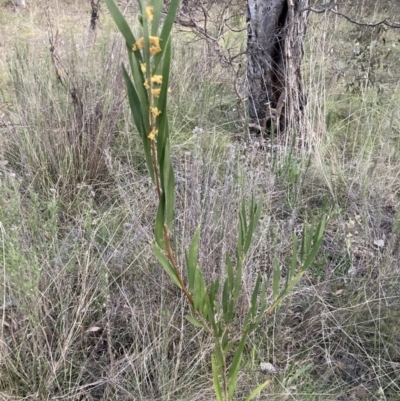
[88, 313]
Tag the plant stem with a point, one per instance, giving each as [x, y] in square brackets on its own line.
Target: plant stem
[155, 165]
[175, 265]
[224, 378]
[165, 229]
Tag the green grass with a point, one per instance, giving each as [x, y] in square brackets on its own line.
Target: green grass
[87, 310]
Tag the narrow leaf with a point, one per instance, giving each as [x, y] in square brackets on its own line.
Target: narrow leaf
[225, 297]
[205, 307]
[134, 103]
[229, 315]
[234, 369]
[229, 268]
[166, 29]
[316, 244]
[299, 372]
[276, 279]
[217, 384]
[121, 23]
[169, 186]
[242, 233]
[294, 281]
[224, 340]
[303, 250]
[162, 100]
[199, 290]
[258, 390]
[258, 210]
[246, 320]
[307, 239]
[138, 78]
[252, 225]
[191, 260]
[218, 355]
[263, 303]
[314, 250]
[166, 264]
[214, 287]
[293, 264]
[238, 281]
[169, 20]
[158, 6]
[193, 321]
[254, 297]
[255, 214]
[144, 21]
[229, 346]
[243, 215]
[159, 224]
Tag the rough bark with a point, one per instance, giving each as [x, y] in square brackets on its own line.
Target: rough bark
[276, 31]
[94, 18]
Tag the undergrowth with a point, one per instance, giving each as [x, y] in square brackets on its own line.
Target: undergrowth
[86, 311]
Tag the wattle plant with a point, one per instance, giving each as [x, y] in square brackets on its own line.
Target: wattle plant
[213, 307]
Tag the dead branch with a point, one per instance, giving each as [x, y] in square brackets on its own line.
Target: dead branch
[333, 10]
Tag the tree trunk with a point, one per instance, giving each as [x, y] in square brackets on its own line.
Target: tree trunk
[276, 31]
[95, 14]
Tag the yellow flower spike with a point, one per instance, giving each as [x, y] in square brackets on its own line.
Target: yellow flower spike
[156, 92]
[155, 111]
[149, 13]
[153, 134]
[156, 79]
[146, 84]
[143, 67]
[138, 45]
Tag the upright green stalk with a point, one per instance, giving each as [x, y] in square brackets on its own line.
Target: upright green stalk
[213, 307]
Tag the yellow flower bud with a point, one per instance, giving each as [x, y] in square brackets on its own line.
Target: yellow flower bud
[156, 92]
[153, 134]
[155, 111]
[143, 67]
[154, 45]
[138, 45]
[154, 40]
[149, 13]
[154, 50]
[156, 79]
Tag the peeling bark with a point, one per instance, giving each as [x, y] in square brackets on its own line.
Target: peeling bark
[276, 31]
